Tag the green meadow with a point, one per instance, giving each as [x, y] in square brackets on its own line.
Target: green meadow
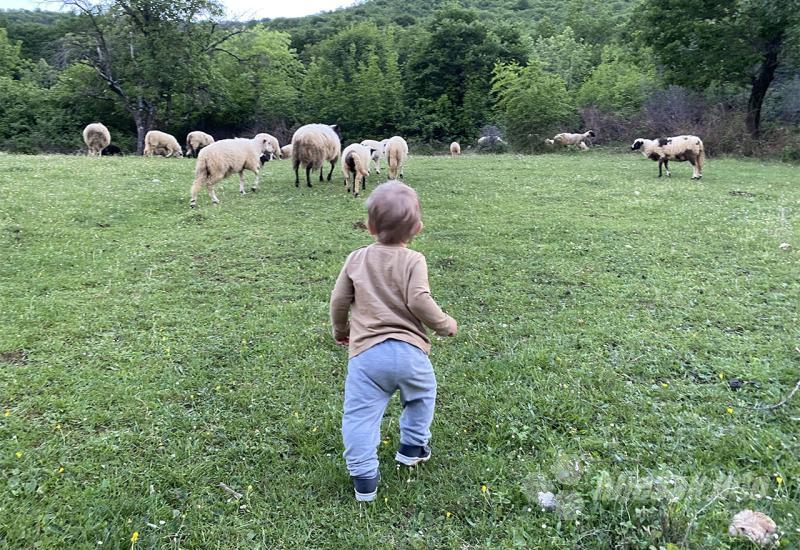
[620, 339]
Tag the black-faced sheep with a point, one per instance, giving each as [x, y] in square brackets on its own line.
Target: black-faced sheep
[313, 145]
[566, 139]
[455, 149]
[286, 151]
[111, 150]
[195, 141]
[679, 148]
[225, 157]
[161, 143]
[377, 152]
[355, 166]
[396, 155]
[96, 137]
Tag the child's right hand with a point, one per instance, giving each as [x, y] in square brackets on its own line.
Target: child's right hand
[453, 327]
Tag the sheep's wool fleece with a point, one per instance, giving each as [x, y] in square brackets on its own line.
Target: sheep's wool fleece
[96, 136]
[313, 144]
[756, 526]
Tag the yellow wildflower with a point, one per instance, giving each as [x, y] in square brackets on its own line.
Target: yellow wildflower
[484, 488]
[447, 515]
[19, 454]
[314, 429]
[134, 537]
[779, 480]
[722, 376]
[664, 385]
[729, 410]
[7, 413]
[61, 470]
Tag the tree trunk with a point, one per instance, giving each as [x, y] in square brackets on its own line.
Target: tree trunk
[144, 116]
[761, 83]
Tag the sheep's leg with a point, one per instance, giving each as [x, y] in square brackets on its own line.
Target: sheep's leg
[308, 175]
[660, 162]
[363, 183]
[333, 163]
[666, 167]
[213, 195]
[195, 190]
[241, 182]
[254, 188]
[296, 166]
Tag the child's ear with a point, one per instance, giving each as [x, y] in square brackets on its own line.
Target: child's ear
[420, 225]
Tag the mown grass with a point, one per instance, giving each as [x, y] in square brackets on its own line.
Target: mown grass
[150, 352]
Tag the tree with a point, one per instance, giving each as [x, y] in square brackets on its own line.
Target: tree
[729, 41]
[566, 56]
[147, 52]
[619, 84]
[532, 103]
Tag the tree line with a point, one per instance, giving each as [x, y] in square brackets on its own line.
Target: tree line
[431, 71]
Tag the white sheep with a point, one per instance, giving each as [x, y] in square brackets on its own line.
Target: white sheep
[455, 149]
[161, 143]
[566, 139]
[313, 145]
[96, 137]
[286, 151]
[228, 156]
[355, 163]
[195, 141]
[377, 152]
[680, 148]
[276, 146]
[396, 155]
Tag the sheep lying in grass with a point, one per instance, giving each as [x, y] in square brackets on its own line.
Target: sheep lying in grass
[566, 139]
[195, 141]
[313, 145]
[680, 148]
[396, 155]
[377, 153]
[225, 157]
[161, 143]
[96, 137]
[111, 150]
[455, 149]
[355, 165]
[286, 151]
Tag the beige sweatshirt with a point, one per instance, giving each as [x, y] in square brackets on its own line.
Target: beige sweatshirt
[385, 289]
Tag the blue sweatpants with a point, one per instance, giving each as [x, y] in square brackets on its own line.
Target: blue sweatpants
[372, 377]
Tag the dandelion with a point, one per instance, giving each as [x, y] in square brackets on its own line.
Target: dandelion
[664, 385]
[7, 413]
[249, 487]
[134, 537]
[729, 410]
[779, 480]
[447, 515]
[314, 429]
[722, 376]
[385, 441]
[484, 488]
[61, 470]
[18, 454]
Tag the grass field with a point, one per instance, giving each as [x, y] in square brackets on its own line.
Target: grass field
[149, 352]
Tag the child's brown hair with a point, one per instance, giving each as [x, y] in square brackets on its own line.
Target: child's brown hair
[393, 213]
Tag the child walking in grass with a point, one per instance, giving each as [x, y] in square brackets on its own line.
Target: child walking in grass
[384, 287]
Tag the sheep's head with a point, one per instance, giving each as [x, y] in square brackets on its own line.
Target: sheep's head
[591, 133]
[337, 130]
[637, 144]
[264, 144]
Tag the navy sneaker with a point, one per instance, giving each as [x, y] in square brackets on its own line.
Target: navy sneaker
[411, 455]
[366, 488]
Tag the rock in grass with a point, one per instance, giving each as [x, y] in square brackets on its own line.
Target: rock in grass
[547, 500]
[755, 526]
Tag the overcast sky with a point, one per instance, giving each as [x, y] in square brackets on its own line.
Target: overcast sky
[237, 9]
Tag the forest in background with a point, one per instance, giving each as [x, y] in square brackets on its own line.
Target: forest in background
[433, 71]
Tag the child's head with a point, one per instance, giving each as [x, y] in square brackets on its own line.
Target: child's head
[393, 213]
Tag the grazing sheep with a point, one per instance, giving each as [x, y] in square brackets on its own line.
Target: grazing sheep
[195, 141]
[111, 150]
[96, 137]
[161, 143]
[286, 151]
[312, 145]
[355, 163]
[225, 157]
[396, 155]
[377, 152]
[276, 147]
[680, 148]
[455, 149]
[571, 139]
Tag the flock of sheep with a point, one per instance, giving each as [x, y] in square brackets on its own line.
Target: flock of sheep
[315, 144]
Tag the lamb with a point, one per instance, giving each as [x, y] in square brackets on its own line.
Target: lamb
[161, 143]
[96, 137]
[222, 158]
[377, 152]
[195, 141]
[455, 149]
[355, 163]
[680, 148]
[110, 150]
[286, 151]
[396, 155]
[312, 145]
[566, 139]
